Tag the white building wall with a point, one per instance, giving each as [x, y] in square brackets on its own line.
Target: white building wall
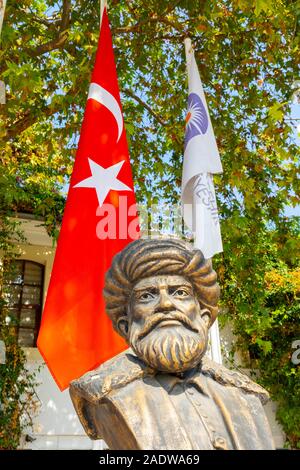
[56, 425]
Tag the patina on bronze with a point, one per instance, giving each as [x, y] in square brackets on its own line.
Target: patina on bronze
[163, 392]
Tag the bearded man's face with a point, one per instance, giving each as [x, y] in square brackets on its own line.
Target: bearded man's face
[167, 328]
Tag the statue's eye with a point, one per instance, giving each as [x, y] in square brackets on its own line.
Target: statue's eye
[181, 293]
[146, 296]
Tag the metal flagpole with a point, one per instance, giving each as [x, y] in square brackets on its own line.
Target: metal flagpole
[2, 10]
[103, 4]
[2, 101]
[215, 343]
[2, 84]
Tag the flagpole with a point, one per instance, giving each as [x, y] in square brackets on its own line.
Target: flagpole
[214, 335]
[188, 50]
[2, 84]
[103, 4]
[2, 11]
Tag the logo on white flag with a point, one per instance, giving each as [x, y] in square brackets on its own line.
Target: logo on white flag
[196, 119]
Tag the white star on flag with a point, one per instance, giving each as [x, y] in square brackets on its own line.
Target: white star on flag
[103, 180]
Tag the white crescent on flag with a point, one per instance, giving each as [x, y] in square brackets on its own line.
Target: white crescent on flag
[98, 93]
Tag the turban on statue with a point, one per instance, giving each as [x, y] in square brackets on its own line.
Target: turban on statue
[156, 257]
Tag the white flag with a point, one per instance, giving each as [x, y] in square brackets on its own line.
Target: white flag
[201, 161]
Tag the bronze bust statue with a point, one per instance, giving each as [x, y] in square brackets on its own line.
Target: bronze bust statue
[163, 392]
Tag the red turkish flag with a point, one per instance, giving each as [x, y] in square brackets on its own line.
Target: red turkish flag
[76, 335]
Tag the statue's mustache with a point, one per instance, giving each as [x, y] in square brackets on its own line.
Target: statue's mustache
[154, 320]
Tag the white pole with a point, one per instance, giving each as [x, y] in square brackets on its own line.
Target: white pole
[2, 352]
[215, 344]
[188, 49]
[2, 84]
[2, 10]
[103, 4]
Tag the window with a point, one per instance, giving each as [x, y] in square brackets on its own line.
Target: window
[25, 297]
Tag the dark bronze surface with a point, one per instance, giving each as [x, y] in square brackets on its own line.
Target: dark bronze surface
[163, 392]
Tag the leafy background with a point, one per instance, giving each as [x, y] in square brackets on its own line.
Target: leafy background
[248, 57]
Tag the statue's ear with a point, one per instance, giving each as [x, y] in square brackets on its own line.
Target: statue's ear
[122, 325]
[206, 316]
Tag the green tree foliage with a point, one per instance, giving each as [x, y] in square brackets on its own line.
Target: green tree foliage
[248, 55]
[261, 287]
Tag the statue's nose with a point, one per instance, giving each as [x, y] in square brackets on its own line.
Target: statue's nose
[165, 303]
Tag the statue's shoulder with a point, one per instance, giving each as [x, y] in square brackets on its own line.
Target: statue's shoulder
[113, 374]
[127, 367]
[233, 378]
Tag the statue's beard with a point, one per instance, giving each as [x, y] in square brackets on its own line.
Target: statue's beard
[170, 348]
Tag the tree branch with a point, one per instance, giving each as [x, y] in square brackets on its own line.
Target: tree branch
[61, 37]
[48, 21]
[151, 19]
[65, 16]
[56, 43]
[146, 106]
[153, 113]
[170, 37]
[29, 118]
